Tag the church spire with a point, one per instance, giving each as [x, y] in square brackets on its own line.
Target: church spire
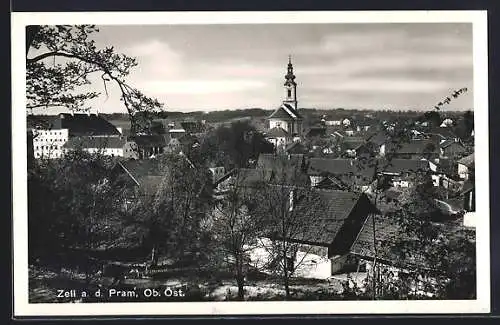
[290, 85]
[290, 77]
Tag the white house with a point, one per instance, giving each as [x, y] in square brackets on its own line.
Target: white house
[108, 146]
[49, 142]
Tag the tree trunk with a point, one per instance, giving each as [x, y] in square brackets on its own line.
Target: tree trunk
[31, 31]
[287, 284]
[240, 279]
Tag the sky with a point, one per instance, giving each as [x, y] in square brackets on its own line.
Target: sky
[367, 66]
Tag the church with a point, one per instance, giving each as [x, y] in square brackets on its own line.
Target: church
[285, 123]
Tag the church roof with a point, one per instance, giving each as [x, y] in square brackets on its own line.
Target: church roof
[286, 111]
[277, 132]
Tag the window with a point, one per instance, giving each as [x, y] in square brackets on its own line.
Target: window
[289, 92]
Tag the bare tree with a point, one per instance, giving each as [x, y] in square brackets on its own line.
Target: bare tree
[64, 56]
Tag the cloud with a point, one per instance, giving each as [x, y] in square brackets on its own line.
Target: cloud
[197, 86]
[244, 65]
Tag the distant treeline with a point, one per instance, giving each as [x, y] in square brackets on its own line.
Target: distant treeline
[225, 115]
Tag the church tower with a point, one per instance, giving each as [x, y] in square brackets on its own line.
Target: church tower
[290, 86]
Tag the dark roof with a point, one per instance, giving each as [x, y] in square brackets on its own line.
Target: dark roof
[468, 186]
[322, 166]
[418, 147]
[296, 148]
[142, 168]
[146, 141]
[287, 169]
[329, 218]
[273, 161]
[378, 138]
[277, 132]
[467, 160]
[95, 142]
[405, 165]
[352, 143]
[286, 111]
[84, 125]
[192, 126]
[388, 232]
[315, 131]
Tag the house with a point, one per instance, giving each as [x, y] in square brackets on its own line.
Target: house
[217, 173]
[446, 123]
[415, 149]
[383, 244]
[150, 145]
[451, 148]
[108, 146]
[465, 167]
[176, 133]
[323, 242]
[48, 140]
[279, 137]
[333, 122]
[349, 146]
[286, 169]
[344, 173]
[374, 144]
[402, 172]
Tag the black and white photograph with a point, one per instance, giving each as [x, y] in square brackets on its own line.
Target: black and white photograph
[208, 163]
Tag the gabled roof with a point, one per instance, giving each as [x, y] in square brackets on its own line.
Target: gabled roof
[330, 221]
[285, 111]
[89, 142]
[277, 132]
[405, 165]
[147, 141]
[467, 160]
[84, 125]
[337, 167]
[449, 142]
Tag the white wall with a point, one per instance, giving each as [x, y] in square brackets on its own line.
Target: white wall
[278, 124]
[49, 143]
[463, 171]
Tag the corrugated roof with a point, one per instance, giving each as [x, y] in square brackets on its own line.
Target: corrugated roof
[84, 125]
[89, 142]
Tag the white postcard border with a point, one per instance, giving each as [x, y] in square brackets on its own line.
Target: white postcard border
[19, 153]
